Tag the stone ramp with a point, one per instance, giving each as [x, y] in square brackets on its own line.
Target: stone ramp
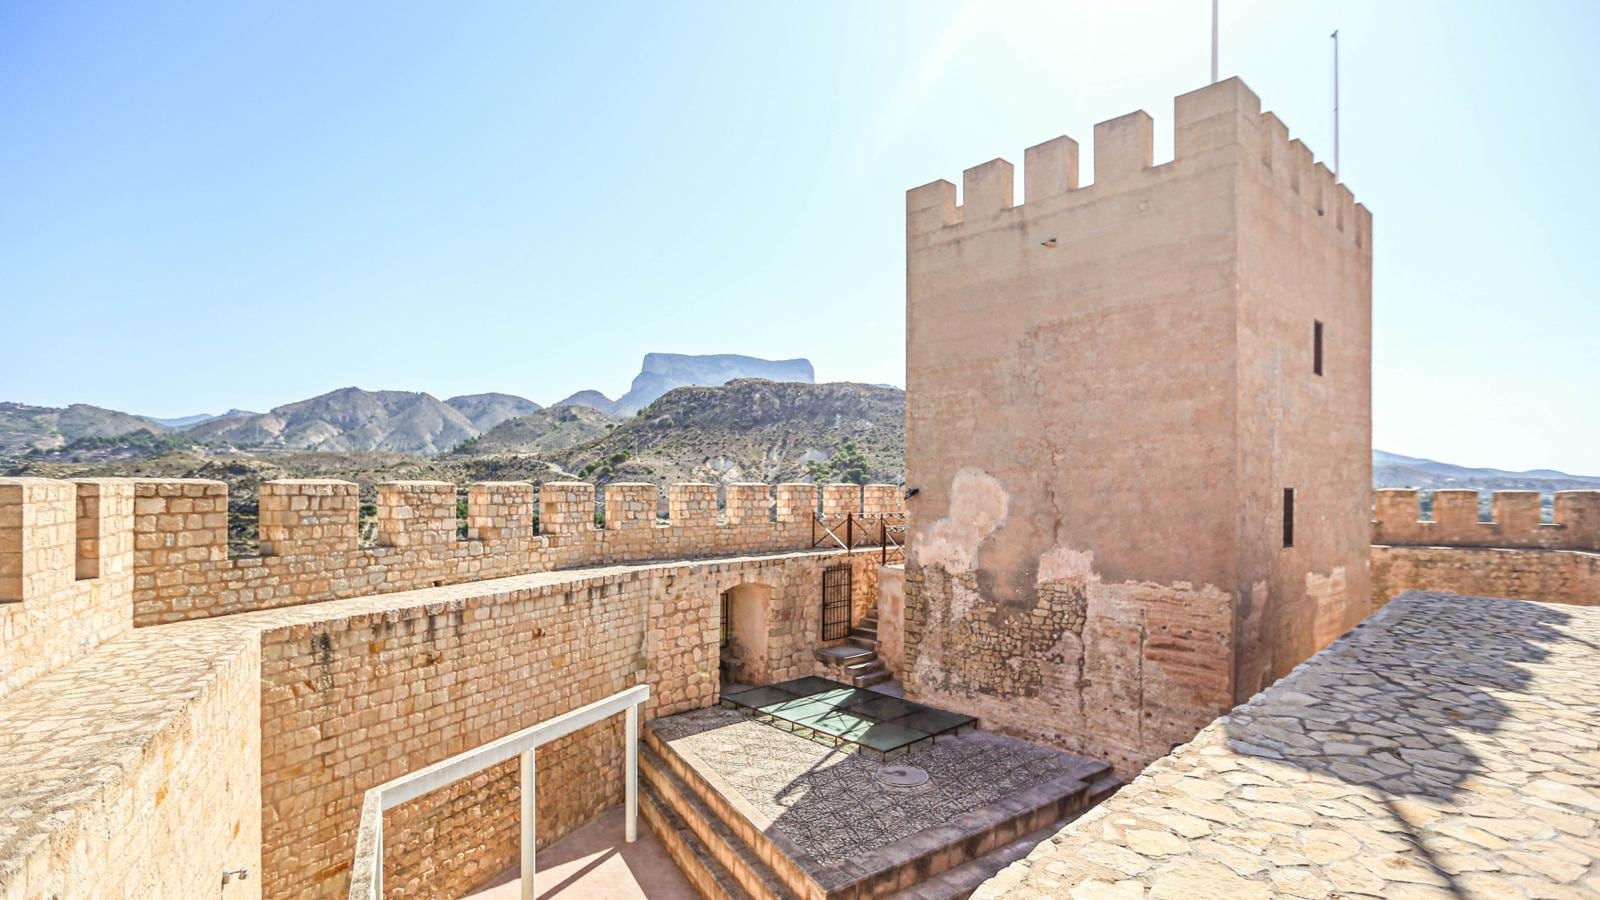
[780, 816]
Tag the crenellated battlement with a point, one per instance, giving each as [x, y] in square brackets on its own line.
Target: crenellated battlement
[1218, 125]
[1515, 523]
[175, 535]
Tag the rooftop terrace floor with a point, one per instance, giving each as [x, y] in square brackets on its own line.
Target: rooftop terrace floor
[1448, 747]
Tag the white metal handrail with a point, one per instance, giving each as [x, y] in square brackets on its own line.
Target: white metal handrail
[366, 877]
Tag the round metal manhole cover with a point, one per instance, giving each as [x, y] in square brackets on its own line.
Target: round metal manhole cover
[902, 776]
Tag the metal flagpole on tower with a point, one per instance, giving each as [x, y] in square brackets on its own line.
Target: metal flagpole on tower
[1213, 41]
[1335, 37]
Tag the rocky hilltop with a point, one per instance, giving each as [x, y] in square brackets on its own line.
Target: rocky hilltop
[347, 419]
[749, 430]
[541, 432]
[25, 428]
[661, 372]
[485, 411]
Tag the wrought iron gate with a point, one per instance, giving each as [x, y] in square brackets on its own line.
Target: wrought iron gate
[836, 602]
[727, 619]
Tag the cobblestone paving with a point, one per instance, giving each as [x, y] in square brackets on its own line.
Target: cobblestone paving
[1448, 747]
[830, 803]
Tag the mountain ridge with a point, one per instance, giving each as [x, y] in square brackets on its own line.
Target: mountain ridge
[662, 372]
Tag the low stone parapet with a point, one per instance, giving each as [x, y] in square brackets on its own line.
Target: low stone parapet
[1515, 520]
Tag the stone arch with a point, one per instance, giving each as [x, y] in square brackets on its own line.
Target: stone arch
[746, 655]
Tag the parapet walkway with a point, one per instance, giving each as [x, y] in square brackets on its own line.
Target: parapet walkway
[1448, 747]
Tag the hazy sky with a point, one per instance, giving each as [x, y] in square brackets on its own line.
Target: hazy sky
[212, 205]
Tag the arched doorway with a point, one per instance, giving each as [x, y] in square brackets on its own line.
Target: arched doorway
[746, 623]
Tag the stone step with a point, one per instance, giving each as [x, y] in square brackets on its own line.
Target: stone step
[717, 808]
[865, 667]
[709, 879]
[959, 882]
[1103, 787]
[729, 852]
[845, 655]
[929, 853]
[872, 678]
[865, 631]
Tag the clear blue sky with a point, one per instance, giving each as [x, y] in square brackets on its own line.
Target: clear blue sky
[215, 205]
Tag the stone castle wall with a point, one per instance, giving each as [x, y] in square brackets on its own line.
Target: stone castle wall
[310, 550]
[1515, 520]
[1551, 576]
[1109, 389]
[1512, 554]
[356, 698]
[152, 758]
[66, 572]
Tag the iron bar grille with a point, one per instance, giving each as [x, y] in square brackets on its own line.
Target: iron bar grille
[727, 618]
[835, 603]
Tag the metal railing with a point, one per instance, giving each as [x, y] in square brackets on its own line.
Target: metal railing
[366, 876]
[852, 530]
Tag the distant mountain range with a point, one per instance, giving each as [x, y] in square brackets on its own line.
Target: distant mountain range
[1394, 470]
[352, 419]
[721, 417]
[662, 372]
[186, 421]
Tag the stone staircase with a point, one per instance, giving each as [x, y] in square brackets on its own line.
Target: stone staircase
[858, 656]
[712, 838]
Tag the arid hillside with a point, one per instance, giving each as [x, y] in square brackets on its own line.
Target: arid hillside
[749, 430]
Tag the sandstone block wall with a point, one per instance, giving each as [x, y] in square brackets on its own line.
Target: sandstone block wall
[417, 514]
[152, 759]
[308, 516]
[1109, 390]
[66, 572]
[500, 511]
[797, 503]
[839, 499]
[882, 500]
[311, 554]
[692, 505]
[1551, 576]
[747, 503]
[134, 771]
[630, 505]
[1516, 520]
[566, 507]
[357, 692]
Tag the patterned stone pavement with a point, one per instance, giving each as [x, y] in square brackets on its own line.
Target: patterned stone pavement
[1448, 747]
[830, 803]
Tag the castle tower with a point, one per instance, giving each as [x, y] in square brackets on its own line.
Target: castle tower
[1139, 427]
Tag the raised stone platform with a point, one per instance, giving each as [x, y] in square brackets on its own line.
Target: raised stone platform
[1448, 747]
[781, 815]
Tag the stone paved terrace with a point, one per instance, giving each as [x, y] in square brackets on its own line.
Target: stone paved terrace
[829, 805]
[1447, 747]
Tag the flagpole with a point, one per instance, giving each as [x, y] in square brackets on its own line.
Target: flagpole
[1213, 41]
[1335, 37]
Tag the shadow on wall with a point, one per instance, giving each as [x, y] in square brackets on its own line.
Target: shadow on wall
[1407, 708]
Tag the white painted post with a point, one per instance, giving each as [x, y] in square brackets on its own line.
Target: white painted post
[377, 851]
[631, 794]
[528, 806]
